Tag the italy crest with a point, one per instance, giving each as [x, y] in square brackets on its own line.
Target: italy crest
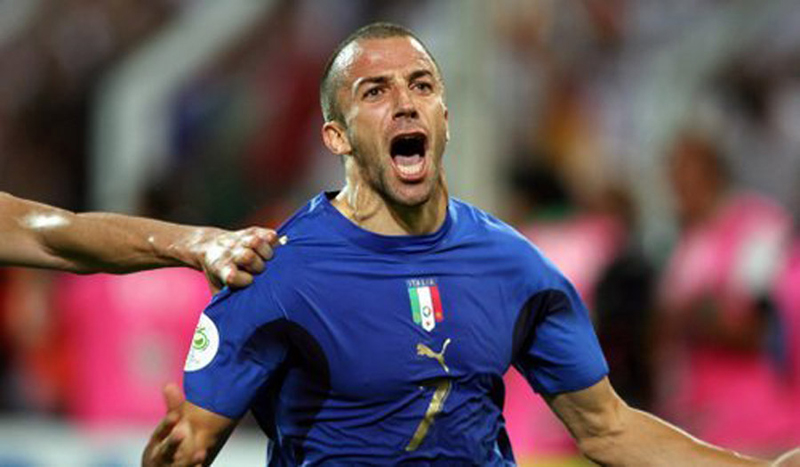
[426, 304]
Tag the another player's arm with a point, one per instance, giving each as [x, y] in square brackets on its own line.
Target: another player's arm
[611, 433]
[188, 435]
[37, 235]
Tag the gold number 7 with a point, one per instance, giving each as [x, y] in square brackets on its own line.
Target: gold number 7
[443, 386]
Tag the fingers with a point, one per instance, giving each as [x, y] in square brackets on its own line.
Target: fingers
[243, 265]
[233, 258]
[214, 282]
[168, 448]
[789, 459]
[164, 442]
[249, 260]
[165, 426]
[262, 242]
[245, 253]
[173, 397]
[176, 449]
[171, 443]
[199, 457]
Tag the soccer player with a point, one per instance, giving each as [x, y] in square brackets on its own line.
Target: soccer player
[380, 335]
[37, 235]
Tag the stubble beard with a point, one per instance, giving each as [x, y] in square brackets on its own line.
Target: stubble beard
[382, 180]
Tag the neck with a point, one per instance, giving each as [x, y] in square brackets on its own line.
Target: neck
[706, 209]
[372, 211]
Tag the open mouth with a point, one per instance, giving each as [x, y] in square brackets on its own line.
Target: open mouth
[408, 154]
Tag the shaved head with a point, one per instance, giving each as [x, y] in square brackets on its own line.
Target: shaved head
[344, 54]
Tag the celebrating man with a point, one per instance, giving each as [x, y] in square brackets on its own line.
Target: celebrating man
[380, 335]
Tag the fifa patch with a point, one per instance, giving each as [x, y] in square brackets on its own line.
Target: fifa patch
[426, 304]
[205, 344]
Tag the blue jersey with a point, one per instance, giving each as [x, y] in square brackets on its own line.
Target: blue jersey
[358, 348]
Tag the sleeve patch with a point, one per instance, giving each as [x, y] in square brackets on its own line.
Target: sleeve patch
[205, 344]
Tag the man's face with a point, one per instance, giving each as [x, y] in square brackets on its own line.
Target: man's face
[395, 118]
[695, 180]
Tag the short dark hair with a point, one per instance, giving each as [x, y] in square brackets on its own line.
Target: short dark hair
[330, 82]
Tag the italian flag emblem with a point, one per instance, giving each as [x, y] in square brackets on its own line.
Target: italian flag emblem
[426, 305]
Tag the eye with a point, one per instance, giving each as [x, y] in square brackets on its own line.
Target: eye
[372, 93]
[423, 86]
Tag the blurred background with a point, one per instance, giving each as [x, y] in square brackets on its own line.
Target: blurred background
[650, 148]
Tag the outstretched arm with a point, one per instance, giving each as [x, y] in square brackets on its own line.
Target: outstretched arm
[611, 433]
[37, 235]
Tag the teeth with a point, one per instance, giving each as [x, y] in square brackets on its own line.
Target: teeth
[414, 169]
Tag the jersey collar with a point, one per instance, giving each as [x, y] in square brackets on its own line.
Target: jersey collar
[378, 242]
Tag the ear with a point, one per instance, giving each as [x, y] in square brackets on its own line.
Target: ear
[335, 138]
[446, 124]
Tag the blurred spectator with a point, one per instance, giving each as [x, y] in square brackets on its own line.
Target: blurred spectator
[787, 296]
[718, 378]
[38, 361]
[787, 301]
[624, 309]
[581, 239]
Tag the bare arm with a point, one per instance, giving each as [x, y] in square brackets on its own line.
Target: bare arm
[187, 435]
[611, 433]
[38, 235]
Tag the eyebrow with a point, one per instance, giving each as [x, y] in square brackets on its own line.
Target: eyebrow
[419, 74]
[369, 80]
[382, 79]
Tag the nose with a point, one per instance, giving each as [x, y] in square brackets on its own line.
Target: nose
[404, 105]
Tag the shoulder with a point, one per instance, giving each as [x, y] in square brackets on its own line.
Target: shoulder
[266, 298]
[506, 244]
[306, 222]
[471, 219]
[503, 239]
[306, 231]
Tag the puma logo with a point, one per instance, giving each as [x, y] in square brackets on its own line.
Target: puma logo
[426, 351]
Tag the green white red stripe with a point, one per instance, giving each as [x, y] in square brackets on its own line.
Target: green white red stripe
[426, 304]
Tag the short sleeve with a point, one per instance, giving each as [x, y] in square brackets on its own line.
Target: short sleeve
[237, 347]
[556, 348]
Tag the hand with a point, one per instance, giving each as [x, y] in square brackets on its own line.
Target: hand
[790, 459]
[233, 258]
[171, 434]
